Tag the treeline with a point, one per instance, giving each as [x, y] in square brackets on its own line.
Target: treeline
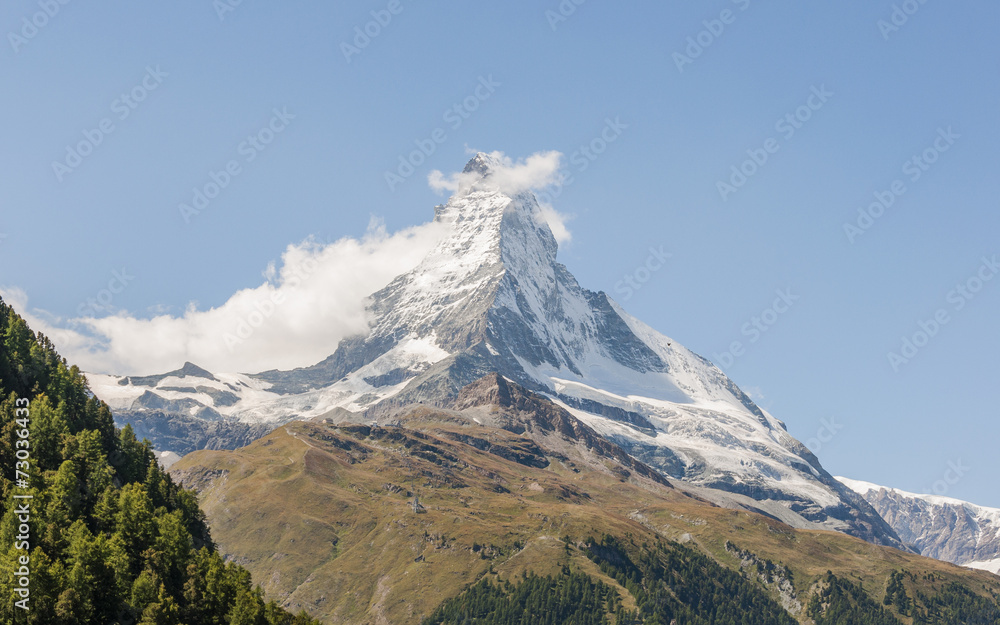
[111, 538]
[569, 599]
[843, 602]
[671, 582]
[956, 603]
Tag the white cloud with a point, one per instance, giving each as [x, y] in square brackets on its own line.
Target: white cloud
[557, 223]
[534, 173]
[309, 300]
[312, 299]
[453, 183]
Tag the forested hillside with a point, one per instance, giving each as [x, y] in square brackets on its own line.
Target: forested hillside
[93, 531]
[671, 583]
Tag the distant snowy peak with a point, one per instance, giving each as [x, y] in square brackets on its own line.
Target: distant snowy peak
[190, 390]
[940, 527]
[483, 164]
[862, 488]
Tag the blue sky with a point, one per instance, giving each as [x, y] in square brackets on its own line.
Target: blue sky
[822, 364]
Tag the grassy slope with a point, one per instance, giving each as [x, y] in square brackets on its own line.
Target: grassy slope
[323, 516]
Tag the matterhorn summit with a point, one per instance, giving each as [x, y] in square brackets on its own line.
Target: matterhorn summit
[491, 297]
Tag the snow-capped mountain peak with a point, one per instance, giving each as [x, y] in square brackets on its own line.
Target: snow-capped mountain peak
[483, 164]
[491, 297]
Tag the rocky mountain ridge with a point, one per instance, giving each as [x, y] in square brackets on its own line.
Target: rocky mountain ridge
[939, 527]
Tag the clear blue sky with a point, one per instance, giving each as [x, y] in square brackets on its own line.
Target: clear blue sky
[655, 185]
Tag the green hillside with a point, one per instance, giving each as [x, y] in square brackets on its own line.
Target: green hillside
[508, 510]
[93, 531]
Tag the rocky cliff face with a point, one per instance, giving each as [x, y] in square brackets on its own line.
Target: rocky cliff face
[939, 527]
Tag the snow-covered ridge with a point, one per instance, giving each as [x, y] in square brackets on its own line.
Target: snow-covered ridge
[221, 392]
[247, 398]
[863, 488]
[941, 527]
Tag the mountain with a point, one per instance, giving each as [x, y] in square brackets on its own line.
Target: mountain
[940, 527]
[503, 507]
[492, 298]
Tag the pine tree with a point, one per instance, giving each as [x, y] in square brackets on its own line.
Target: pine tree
[113, 538]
